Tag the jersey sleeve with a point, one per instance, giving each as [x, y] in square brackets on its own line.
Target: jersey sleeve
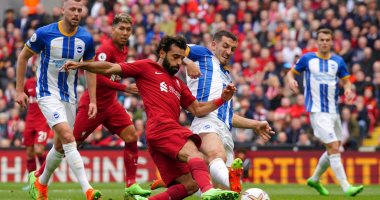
[342, 70]
[104, 81]
[301, 65]
[131, 69]
[36, 42]
[89, 52]
[186, 97]
[195, 52]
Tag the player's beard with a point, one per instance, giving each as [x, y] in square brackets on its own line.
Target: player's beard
[172, 70]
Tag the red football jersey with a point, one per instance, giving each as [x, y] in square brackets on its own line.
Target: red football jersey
[34, 114]
[162, 94]
[106, 86]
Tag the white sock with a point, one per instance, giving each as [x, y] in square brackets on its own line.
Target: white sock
[322, 166]
[219, 172]
[76, 164]
[53, 159]
[337, 167]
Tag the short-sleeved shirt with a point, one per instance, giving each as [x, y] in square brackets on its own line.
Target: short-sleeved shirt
[214, 78]
[55, 48]
[107, 85]
[321, 81]
[163, 95]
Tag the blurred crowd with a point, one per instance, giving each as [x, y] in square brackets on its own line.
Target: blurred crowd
[272, 36]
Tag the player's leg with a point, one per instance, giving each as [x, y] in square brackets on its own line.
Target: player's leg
[213, 148]
[29, 144]
[31, 164]
[334, 150]
[72, 154]
[190, 154]
[83, 127]
[181, 188]
[119, 122]
[323, 162]
[61, 116]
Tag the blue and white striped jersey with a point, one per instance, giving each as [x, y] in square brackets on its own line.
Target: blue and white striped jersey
[55, 47]
[210, 84]
[321, 81]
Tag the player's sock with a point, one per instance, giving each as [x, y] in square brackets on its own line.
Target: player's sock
[219, 172]
[337, 167]
[53, 159]
[175, 192]
[130, 162]
[75, 162]
[31, 164]
[199, 172]
[39, 171]
[41, 158]
[322, 166]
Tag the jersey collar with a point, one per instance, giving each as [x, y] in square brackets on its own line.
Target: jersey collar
[323, 57]
[60, 28]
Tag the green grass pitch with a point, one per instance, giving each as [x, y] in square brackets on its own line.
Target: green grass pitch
[114, 191]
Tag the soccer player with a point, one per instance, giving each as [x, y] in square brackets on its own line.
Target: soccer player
[36, 129]
[57, 43]
[215, 128]
[322, 71]
[173, 148]
[110, 113]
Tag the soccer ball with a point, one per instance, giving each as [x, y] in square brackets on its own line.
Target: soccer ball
[254, 194]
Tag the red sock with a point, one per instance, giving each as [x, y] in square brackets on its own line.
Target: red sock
[200, 174]
[31, 164]
[42, 158]
[175, 192]
[40, 170]
[130, 162]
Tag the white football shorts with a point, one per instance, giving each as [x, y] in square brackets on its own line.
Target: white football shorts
[209, 124]
[57, 111]
[327, 126]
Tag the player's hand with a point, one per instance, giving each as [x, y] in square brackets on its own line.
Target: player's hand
[192, 69]
[228, 92]
[92, 110]
[349, 96]
[264, 130]
[22, 99]
[132, 89]
[70, 65]
[293, 84]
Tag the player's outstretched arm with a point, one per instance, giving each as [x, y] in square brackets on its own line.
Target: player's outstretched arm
[200, 109]
[261, 128]
[98, 67]
[21, 97]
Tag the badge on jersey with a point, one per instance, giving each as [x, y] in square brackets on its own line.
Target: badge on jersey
[102, 57]
[34, 37]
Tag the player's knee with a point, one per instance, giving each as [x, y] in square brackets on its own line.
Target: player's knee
[214, 155]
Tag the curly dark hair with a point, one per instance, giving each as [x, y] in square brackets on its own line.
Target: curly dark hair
[167, 41]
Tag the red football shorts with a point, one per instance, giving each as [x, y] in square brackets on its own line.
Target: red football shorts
[36, 133]
[114, 118]
[164, 150]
